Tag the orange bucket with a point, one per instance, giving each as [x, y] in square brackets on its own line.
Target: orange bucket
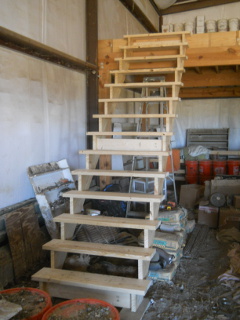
[205, 167]
[233, 167]
[219, 167]
[72, 308]
[191, 167]
[39, 302]
[192, 179]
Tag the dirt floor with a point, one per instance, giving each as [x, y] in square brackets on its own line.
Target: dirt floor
[195, 292]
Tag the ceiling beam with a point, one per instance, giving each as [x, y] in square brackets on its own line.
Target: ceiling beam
[200, 4]
[139, 15]
[17, 42]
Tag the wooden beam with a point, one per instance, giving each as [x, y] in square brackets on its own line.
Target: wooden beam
[17, 42]
[211, 92]
[92, 57]
[209, 78]
[139, 15]
[200, 4]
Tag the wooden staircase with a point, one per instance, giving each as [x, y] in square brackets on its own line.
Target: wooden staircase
[144, 55]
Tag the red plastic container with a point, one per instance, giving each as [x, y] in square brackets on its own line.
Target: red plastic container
[191, 167]
[192, 179]
[72, 308]
[233, 167]
[205, 167]
[39, 301]
[219, 167]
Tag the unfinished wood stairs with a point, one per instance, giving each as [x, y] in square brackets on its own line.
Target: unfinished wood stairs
[143, 55]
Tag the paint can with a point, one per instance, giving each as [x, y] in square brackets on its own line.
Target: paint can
[211, 26]
[222, 25]
[178, 27]
[233, 24]
[189, 26]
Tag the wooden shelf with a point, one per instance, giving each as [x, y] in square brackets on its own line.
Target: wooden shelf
[144, 99]
[143, 85]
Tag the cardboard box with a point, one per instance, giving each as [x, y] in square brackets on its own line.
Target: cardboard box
[208, 215]
[190, 195]
[229, 217]
[236, 201]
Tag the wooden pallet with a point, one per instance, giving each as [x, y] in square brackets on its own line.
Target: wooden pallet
[144, 55]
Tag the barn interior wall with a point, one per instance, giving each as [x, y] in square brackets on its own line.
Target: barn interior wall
[42, 106]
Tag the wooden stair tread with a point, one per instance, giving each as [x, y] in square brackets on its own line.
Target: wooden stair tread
[154, 35]
[147, 71]
[118, 196]
[144, 99]
[122, 173]
[152, 58]
[105, 221]
[92, 281]
[156, 45]
[133, 133]
[143, 84]
[128, 153]
[99, 249]
[134, 115]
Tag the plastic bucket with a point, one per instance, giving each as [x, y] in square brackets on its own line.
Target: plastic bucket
[211, 26]
[191, 167]
[233, 167]
[219, 167]
[205, 167]
[72, 308]
[35, 302]
[202, 179]
[192, 179]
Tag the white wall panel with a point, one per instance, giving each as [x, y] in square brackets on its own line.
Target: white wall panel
[43, 118]
[208, 113]
[42, 106]
[57, 23]
[115, 21]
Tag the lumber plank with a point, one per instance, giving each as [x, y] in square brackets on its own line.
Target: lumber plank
[152, 58]
[135, 115]
[143, 84]
[144, 99]
[92, 281]
[118, 196]
[128, 144]
[154, 35]
[122, 173]
[155, 45]
[105, 221]
[118, 299]
[126, 153]
[99, 249]
[147, 71]
[129, 133]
